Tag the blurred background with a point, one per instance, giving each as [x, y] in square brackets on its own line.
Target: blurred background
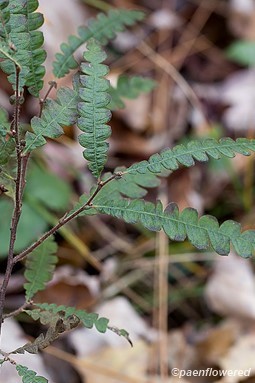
[183, 308]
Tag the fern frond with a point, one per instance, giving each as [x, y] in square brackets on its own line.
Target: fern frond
[40, 266]
[92, 110]
[129, 87]
[103, 28]
[29, 375]
[201, 232]
[27, 41]
[56, 114]
[186, 155]
[46, 311]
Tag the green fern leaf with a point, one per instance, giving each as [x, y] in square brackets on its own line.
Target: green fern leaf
[92, 110]
[7, 53]
[201, 232]
[4, 18]
[131, 184]
[128, 185]
[56, 114]
[7, 148]
[29, 376]
[22, 31]
[7, 143]
[171, 159]
[103, 29]
[40, 265]
[46, 311]
[129, 87]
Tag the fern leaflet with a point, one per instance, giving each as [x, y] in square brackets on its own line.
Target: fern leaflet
[132, 185]
[29, 376]
[202, 232]
[22, 28]
[46, 311]
[92, 109]
[56, 114]
[129, 87]
[40, 266]
[103, 29]
[171, 159]
[129, 185]
[4, 18]
[7, 143]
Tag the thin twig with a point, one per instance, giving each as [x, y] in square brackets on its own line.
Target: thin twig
[52, 84]
[17, 311]
[23, 172]
[7, 358]
[162, 250]
[18, 195]
[65, 219]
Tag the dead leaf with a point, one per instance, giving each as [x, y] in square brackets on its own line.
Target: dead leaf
[240, 357]
[13, 337]
[70, 287]
[231, 289]
[238, 91]
[121, 365]
[217, 341]
[241, 19]
[137, 112]
[180, 354]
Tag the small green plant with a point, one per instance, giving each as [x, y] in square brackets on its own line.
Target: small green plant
[89, 104]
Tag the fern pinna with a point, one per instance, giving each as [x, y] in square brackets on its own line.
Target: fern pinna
[45, 312]
[202, 232]
[29, 375]
[104, 28]
[40, 266]
[19, 30]
[55, 115]
[200, 150]
[92, 109]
